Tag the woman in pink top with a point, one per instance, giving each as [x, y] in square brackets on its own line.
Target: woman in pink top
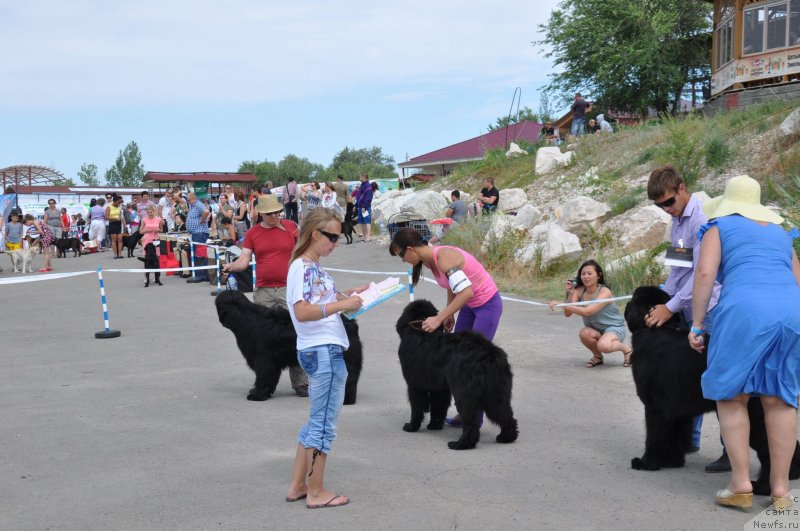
[470, 290]
[151, 226]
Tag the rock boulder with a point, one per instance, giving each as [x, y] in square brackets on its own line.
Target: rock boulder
[581, 214]
[550, 158]
[512, 199]
[642, 228]
[551, 242]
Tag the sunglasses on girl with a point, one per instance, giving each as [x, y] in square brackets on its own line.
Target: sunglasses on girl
[667, 202]
[333, 238]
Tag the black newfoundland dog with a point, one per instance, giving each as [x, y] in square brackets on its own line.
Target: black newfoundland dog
[267, 340]
[667, 371]
[467, 364]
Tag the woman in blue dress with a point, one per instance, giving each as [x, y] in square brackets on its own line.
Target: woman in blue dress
[755, 344]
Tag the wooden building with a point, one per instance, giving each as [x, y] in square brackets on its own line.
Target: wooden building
[756, 51]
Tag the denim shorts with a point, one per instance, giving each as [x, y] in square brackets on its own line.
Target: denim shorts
[327, 375]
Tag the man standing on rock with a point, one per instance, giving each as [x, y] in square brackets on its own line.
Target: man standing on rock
[668, 192]
[579, 108]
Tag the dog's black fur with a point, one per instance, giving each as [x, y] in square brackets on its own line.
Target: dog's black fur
[349, 222]
[130, 241]
[267, 340]
[150, 262]
[65, 243]
[467, 364]
[667, 371]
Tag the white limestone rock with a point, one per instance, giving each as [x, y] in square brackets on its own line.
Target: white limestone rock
[552, 242]
[581, 214]
[789, 130]
[527, 217]
[550, 158]
[514, 150]
[642, 228]
[512, 199]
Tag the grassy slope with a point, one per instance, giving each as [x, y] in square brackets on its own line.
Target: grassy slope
[613, 169]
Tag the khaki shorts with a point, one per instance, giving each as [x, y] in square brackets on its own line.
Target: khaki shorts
[270, 297]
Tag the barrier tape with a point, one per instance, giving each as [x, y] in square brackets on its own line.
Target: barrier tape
[38, 278]
[54, 276]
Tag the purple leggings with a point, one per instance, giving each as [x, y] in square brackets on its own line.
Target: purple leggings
[483, 319]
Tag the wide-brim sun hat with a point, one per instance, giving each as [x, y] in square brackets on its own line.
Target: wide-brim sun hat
[267, 204]
[742, 196]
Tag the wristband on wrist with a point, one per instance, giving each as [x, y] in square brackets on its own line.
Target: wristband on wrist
[698, 331]
[324, 313]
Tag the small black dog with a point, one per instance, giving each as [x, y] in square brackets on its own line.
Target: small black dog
[130, 241]
[667, 371]
[349, 223]
[150, 262]
[466, 363]
[268, 342]
[65, 243]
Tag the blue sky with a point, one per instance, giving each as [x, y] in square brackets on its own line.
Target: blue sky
[204, 85]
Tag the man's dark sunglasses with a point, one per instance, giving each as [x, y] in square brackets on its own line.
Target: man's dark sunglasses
[402, 253]
[667, 203]
[332, 237]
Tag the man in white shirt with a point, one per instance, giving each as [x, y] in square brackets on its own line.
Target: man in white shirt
[166, 210]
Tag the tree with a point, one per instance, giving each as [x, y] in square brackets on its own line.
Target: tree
[63, 182]
[526, 113]
[349, 163]
[264, 170]
[88, 174]
[127, 171]
[302, 169]
[628, 55]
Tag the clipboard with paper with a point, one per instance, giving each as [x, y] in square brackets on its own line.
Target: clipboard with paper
[376, 294]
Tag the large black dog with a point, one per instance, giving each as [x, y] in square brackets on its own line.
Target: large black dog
[467, 364]
[267, 340]
[65, 243]
[667, 371]
[130, 241]
[150, 262]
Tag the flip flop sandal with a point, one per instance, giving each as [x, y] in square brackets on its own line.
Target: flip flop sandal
[328, 504]
[593, 362]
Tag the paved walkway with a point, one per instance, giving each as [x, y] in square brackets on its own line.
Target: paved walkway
[152, 430]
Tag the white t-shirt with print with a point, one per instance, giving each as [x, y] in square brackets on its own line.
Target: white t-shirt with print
[309, 282]
[166, 208]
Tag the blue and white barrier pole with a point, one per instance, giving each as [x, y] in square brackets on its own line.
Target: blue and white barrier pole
[191, 250]
[107, 333]
[410, 284]
[253, 267]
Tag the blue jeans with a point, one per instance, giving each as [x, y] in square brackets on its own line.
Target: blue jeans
[327, 375]
[577, 126]
[201, 237]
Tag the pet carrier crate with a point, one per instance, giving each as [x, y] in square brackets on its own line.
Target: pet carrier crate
[409, 219]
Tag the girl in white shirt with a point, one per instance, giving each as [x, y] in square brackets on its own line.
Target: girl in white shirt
[321, 341]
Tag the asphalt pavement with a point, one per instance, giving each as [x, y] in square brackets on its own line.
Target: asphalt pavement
[152, 430]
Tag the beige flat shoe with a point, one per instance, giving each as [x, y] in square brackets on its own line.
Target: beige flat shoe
[741, 500]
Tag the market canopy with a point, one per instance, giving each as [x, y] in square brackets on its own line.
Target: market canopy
[29, 175]
[204, 176]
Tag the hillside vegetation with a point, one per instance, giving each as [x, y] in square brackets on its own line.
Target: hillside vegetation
[613, 168]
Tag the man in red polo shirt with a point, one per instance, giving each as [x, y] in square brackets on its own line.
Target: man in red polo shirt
[272, 241]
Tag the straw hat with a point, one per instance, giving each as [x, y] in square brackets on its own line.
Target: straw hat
[267, 204]
[742, 196]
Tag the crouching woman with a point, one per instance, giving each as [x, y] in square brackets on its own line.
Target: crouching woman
[603, 326]
[321, 341]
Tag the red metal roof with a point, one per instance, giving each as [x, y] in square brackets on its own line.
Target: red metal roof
[206, 176]
[474, 148]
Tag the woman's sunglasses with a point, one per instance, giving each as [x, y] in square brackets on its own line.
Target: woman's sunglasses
[667, 203]
[333, 238]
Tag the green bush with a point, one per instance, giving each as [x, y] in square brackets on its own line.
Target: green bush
[644, 271]
[627, 201]
[682, 147]
[717, 152]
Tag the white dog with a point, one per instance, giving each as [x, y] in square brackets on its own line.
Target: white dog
[25, 257]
